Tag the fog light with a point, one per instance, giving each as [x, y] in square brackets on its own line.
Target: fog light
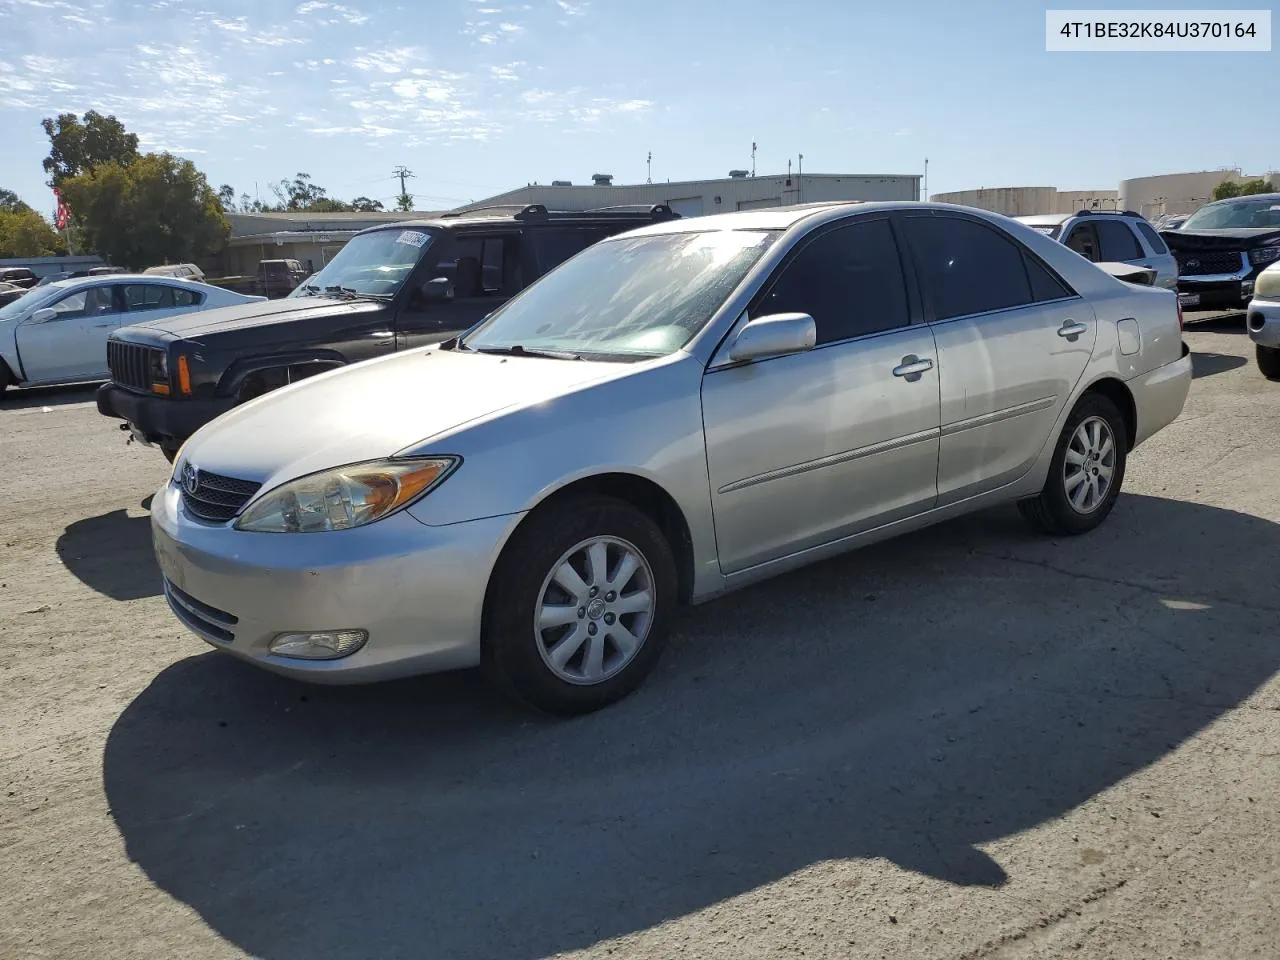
[324, 645]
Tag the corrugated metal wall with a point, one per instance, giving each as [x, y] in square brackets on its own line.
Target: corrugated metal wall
[692, 198]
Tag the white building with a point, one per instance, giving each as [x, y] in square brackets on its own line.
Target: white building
[1178, 193]
[693, 198]
[1025, 201]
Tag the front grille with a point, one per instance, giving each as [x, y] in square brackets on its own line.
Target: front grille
[1200, 264]
[130, 364]
[203, 619]
[213, 497]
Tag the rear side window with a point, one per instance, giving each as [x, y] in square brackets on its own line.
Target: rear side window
[966, 267]
[1153, 239]
[1118, 241]
[1045, 285]
[848, 279]
[554, 247]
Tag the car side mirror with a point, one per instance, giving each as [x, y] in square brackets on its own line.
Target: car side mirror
[44, 314]
[437, 290]
[776, 335]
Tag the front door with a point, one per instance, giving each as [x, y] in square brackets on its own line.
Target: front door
[808, 448]
[1013, 340]
[485, 271]
[73, 344]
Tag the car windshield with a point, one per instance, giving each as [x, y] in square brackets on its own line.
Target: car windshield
[371, 264]
[34, 300]
[630, 298]
[1251, 212]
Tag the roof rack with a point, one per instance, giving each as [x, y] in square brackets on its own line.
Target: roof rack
[537, 211]
[1114, 213]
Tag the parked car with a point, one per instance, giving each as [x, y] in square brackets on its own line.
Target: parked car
[19, 277]
[10, 292]
[1223, 247]
[391, 287]
[278, 278]
[671, 414]
[1263, 321]
[49, 278]
[184, 271]
[1171, 222]
[58, 333]
[1110, 237]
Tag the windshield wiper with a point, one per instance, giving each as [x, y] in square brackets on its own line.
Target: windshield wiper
[347, 293]
[518, 350]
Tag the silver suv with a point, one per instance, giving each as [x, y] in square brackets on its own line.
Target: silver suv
[1110, 237]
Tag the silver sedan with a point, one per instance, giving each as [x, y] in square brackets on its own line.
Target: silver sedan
[670, 415]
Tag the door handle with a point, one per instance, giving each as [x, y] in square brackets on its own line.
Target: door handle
[1071, 330]
[912, 367]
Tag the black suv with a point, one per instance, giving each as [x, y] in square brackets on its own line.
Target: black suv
[1221, 249]
[392, 287]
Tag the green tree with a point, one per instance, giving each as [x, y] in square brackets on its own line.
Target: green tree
[327, 205]
[24, 233]
[365, 205]
[227, 197]
[77, 146]
[404, 202]
[11, 202]
[1226, 190]
[158, 208]
[1253, 187]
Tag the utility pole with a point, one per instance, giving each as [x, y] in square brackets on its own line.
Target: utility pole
[799, 177]
[924, 187]
[404, 201]
[753, 158]
[648, 177]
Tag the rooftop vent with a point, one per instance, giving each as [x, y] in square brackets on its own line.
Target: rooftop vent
[738, 174]
[602, 179]
[562, 183]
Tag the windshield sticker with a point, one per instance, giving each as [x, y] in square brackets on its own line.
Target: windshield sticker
[414, 238]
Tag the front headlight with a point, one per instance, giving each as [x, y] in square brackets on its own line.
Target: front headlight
[1266, 254]
[1267, 285]
[344, 497]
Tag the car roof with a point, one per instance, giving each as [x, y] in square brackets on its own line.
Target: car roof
[71, 283]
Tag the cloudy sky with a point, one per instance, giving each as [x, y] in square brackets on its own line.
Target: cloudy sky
[478, 96]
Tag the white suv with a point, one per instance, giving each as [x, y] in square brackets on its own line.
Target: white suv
[1110, 237]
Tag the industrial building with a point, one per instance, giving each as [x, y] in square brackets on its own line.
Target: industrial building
[1180, 193]
[310, 238]
[694, 198]
[1025, 201]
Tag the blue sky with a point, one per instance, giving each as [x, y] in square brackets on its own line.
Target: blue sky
[478, 96]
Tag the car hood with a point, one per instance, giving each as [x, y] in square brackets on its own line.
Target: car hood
[377, 408]
[1239, 238]
[192, 326]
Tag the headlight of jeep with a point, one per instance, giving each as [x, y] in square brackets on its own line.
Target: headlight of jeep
[1267, 254]
[345, 497]
[1267, 285]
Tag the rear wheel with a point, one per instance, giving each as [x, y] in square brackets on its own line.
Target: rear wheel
[1269, 361]
[578, 606]
[1086, 472]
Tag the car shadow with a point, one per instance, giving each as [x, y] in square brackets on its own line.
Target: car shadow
[1232, 321]
[28, 397]
[1208, 364]
[911, 701]
[112, 554]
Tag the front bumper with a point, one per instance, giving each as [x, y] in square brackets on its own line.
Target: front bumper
[1264, 322]
[159, 419]
[418, 590]
[1160, 394]
[1219, 291]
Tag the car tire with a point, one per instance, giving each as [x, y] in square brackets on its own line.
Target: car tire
[1268, 361]
[570, 641]
[1093, 440]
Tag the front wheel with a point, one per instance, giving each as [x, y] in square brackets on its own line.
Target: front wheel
[1086, 472]
[578, 606]
[1269, 361]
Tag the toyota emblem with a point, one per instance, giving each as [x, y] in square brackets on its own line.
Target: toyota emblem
[190, 479]
[1193, 263]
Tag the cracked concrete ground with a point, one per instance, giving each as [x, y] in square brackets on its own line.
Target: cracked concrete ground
[969, 743]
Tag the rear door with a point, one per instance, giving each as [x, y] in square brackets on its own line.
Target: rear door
[812, 447]
[1158, 257]
[72, 345]
[1013, 340]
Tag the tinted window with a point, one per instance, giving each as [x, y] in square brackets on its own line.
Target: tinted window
[554, 247]
[1153, 238]
[966, 267]
[1044, 284]
[848, 279]
[1117, 241]
[1084, 241]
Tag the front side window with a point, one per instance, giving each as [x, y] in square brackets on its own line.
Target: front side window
[967, 267]
[85, 303]
[373, 264]
[1117, 242]
[1083, 239]
[1153, 239]
[626, 299]
[848, 279]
